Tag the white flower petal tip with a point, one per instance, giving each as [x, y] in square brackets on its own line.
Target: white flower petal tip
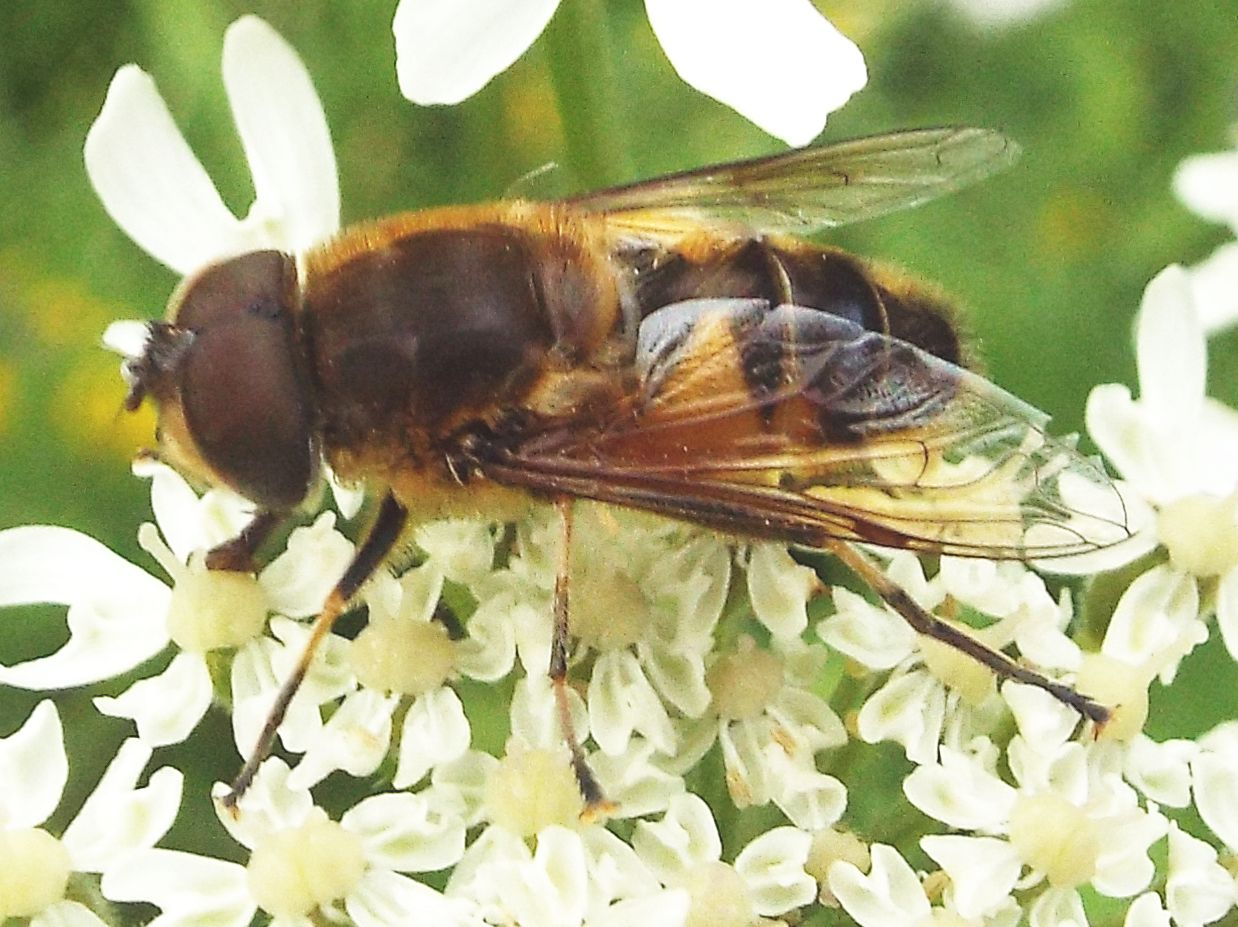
[818, 67]
[35, 768]
[447, 51]
[1207, 184]
[127, 338]
[286, 139]
[149, 180]
[156, 190]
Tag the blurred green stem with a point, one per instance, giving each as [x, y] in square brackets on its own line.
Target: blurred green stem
[581, 63]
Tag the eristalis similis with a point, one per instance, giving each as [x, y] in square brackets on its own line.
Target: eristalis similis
[675, 345]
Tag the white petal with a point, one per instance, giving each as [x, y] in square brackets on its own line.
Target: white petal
[1057, 907]
[1156, 620]
[435, 731]
[1146, 911]
[355, 739]
[1207, 185]
[34, 769]
[1198, 889]
[982, 870]
[1161, 771]
[553, 887]
[1227, 610]
[686, 836]
[615, 869]
[116, 610]
[667, 908]
[1123, 430]
[268, 805]
[909, 710]
[890, 895]
[960, 792]
[298, 581]
[260, 668]
[637, 782]
[151, 184]
[119, 817]
[406, 832]
[772, 866]
[535, 718]
[779, 589]
[386, 898]
[447, 50]
[1214, 284]
[811, 800]
[1044, 722]
[678, 675]
[190, 890]
[285, 136]
[1215, 782]
[866, 633]
[189, 523]
[622, 702]
[489, 651]
[809, 68]
[1170, 348]
[67, 914]
[167, 707]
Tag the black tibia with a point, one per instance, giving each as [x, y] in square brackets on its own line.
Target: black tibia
[382, 537]
[237, 554]
[929, 625]
[595, 801]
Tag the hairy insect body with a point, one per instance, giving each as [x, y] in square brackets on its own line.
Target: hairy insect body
[674, 345]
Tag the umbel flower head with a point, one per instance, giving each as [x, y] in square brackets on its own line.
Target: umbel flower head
[724, 696]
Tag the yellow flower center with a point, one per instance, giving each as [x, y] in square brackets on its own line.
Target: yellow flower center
[744, 683]
[214, 609]
[1201, 534]
[719, 896]
[409, 657]
[293, 872]
[1056, 838]
[34, 871]
[971, 679]
[532, 789]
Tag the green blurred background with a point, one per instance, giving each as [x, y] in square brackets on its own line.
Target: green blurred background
[1106, 96]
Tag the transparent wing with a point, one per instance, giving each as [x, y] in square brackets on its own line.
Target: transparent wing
[795, 424]
[810, 189]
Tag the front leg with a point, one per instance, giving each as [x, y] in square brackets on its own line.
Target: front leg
[237, 555]
[378, 543]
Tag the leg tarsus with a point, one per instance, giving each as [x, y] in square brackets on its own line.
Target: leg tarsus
[930, 625]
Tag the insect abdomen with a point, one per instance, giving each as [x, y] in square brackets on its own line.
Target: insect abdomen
[801, 274]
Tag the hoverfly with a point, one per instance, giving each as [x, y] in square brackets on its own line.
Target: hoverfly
[675, 346]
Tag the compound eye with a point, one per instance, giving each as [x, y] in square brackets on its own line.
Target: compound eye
[245, 402]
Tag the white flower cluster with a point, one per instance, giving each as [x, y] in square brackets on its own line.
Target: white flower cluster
[707, 680]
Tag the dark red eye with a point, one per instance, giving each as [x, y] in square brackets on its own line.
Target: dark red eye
[245, 400]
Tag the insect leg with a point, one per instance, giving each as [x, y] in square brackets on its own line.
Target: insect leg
[373, 551]
[596, 804]
[931, 626]
[237, 555]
